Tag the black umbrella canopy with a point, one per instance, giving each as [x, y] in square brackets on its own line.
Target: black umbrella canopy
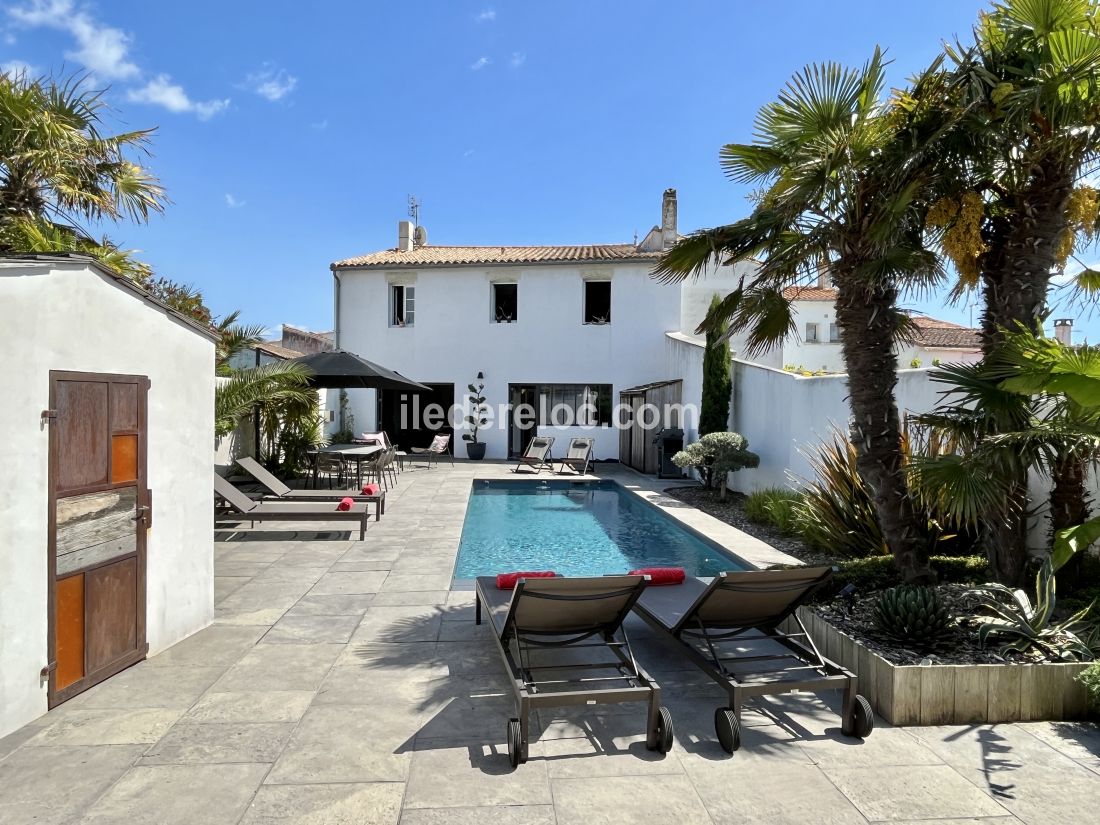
[346, 370]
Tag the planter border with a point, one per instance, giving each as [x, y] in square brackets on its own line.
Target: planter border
[953, 694]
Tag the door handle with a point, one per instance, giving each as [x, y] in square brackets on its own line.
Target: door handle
[140, 514]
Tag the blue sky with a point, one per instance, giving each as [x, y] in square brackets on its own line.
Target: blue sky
[291, 134]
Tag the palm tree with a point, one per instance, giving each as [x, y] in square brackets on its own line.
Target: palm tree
[59, 171]
[1026, 136]
[843, 177]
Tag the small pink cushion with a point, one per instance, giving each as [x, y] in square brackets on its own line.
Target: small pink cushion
[371, 489]
[507, 581]
[661, 575]
[345, 504]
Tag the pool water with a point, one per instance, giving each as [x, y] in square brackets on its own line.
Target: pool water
[576, 529]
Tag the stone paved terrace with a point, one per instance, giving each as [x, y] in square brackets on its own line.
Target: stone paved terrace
[346, 682]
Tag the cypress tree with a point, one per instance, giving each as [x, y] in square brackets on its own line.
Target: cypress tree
[717, 385]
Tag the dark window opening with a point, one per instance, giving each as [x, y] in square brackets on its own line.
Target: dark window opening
[402, 305]
[597, 302]
[505, 303]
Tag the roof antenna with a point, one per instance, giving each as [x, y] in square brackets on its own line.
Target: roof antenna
[414, 210]
[635, 237]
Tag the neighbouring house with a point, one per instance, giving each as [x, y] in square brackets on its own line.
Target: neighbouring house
[106, 542]
[293, 343]
[545, 325]
[815, 346]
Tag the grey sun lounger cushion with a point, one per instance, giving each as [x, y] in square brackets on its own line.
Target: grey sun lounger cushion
[282, 492]
[251, 510]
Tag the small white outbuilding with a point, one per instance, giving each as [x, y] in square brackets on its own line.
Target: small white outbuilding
[106, 516]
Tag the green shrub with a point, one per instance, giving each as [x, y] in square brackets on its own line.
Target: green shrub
[774, 506]
[879, 572]
[1090, 678]
[836, 514]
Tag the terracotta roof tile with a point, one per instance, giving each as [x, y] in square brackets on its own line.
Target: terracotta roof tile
[474, 255]
[932, 332]
[276, 349]
[809, 293]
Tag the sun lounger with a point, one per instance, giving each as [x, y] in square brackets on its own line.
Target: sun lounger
[569, 615]
[537, 455]
[281, 492]
[730, 628]
[578, 456]
[248, 510]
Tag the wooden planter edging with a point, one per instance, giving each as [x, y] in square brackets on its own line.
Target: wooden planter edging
[953, 694]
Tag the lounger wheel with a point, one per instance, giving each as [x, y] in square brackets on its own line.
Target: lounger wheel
[515, 743]
[862, 720]
[728, 729]
[661, 739]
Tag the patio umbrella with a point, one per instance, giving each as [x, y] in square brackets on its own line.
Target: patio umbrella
[346, 370]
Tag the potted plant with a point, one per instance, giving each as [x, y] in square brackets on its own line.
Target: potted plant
[475, 449]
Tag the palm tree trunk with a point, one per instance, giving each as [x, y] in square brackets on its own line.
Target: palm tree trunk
[868, 322]
[1015, 280]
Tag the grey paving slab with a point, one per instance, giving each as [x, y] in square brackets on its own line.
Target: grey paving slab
[459, 777]
[391, 598]
[57, 784]
[183, 794]
[225, 586]
[280, 667]
[111, 726]
[344, 744]
[332, 584]
[146, 686]
[399, 624]
[912, 792]
[493, 815]
[347, 604]
[624, 800]
[251, 706]
[375, 803]
[300, 630]
[216, 645]
[214, 743]
[263, 617]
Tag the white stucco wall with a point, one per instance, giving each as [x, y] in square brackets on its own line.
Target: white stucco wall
[68, 316]
[781, 414]
[453, 338]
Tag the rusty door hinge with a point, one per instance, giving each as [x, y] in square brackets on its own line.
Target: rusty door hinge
[49, 414]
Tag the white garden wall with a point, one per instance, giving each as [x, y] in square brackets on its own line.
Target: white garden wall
[66, 314]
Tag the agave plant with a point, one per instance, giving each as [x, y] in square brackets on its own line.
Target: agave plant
[913, 616]
[1021, 626]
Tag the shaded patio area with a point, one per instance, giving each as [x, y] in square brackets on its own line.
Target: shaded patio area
[345, 681]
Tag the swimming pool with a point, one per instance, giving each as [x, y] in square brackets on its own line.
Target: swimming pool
[576, 528]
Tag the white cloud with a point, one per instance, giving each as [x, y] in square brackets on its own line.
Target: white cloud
[161, 91]
[486, 16]
[270, 82]
[19, 67]
[319, 125]
[517, 59]
[232, 202]
[467, 153]
[480, 64]
[103, 50]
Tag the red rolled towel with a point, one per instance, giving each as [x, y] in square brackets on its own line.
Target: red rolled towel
[507, 581]
[661, 575]
[370, 489]
[345, 504]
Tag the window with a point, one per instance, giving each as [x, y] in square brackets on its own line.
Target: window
[597, 302]
[580, 405]
[402, 305]
[505, 303]
[834, 333]
[811, 334]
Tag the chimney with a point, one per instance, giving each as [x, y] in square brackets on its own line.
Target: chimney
[668, 218]
[1063, 331]
[405, 236]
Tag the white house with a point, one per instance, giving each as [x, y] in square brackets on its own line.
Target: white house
[106, 536]
[544, 325]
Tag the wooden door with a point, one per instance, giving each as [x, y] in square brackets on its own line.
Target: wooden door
[99, 511]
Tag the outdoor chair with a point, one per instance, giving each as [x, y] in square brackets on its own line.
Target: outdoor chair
[330, 467]
[440, 446]
[537, 455]
[578, 456]
[245, 509]
[280, 491]
[575, 616]
[731, 628]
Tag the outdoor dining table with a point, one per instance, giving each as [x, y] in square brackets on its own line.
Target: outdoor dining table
[349, 452]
